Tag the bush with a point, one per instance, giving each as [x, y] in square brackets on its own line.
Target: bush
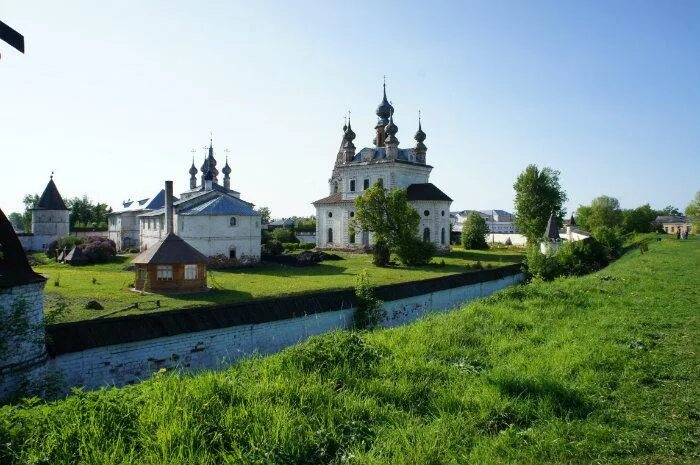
[273, 247]
[99, 249]
[415, 252]
[284, 235]
[474, 232]
[291, 246]
[67, 242]
[611, 239]
[539, 265]
[581, 257]
[381, 254]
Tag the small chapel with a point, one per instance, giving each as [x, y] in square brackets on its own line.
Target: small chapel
[395, 168]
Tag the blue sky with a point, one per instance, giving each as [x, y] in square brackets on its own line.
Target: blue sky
[113, 97]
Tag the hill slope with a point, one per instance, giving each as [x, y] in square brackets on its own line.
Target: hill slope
[599, 369]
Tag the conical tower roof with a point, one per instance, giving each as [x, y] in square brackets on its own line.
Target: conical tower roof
[51, 199]
[552, 231]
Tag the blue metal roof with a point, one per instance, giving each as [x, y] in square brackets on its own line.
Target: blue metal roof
[379, 153]
[220, 205]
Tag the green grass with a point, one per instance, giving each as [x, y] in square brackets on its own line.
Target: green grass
[599, 369]
[111, 288]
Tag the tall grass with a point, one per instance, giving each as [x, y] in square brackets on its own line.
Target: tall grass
[598, 369]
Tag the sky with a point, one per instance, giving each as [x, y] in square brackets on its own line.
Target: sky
[113, 96]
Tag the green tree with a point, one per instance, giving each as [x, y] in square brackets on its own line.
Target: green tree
[305, 224]
[85, 214]
[393, 221]
[284, 235]
[30, 201]
[264, 213]
[638, 219]
[693, 212]
[537, 194]
[17, 219]
[603, 211]
[670, 210]
[474, 231]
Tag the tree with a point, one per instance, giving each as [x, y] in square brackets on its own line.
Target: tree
[537, 194]
[393, 221]
[474, 231]
[603, 211]
[30, 201]
[639, 219]
[693, 212]
[264, 213]
[284, 235]
[670, 210]
[85, 214]
[17, 220]
[305, 224]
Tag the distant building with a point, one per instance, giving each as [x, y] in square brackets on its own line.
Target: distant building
[50, 220]
[123, 224]
[354, 172]
[498, 221]
[674, 224]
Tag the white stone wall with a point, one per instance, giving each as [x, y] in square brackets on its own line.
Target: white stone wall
[129, 363]
[437, 220]
[48, 226]
[123, 229]
[26, 351]
[214, 235]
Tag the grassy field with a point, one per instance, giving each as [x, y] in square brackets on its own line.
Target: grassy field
[111, 283]
[600, 369]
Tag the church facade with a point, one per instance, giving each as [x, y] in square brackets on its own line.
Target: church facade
[395, 168]
[210, 217]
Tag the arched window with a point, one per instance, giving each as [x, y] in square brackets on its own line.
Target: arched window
[232, 221]
[352, 214]
[232, 253]
[335, 187]
[351, 237]
[330, 214]
[442, 236]
[381, 182]
[426, 213]
[352, 185]
[442, 213]
[330, 235]
[426, 235]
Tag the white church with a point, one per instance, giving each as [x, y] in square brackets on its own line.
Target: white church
[403, 168]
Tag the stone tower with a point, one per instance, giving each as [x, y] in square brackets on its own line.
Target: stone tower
[50, 218]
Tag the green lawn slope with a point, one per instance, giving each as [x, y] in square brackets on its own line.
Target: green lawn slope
[599, 369]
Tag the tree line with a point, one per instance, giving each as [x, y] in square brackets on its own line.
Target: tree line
[84, 213]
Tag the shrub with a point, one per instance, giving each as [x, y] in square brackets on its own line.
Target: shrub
[539, 265]
[369, 309]
[611, 239]
[581, 257]
[284, 235]
[291, 246]
[415, 252]
[67, 242]
[474, 232]
[381, 254]
[99, 249]
[273, 247]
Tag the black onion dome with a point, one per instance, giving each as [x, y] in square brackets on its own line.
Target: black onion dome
[384, 110]
[420, 135]
[226, 169]
[193, 169]
[209, 176]
[349, 133]
[391, 128]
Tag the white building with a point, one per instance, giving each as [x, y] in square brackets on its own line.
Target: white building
[50, 220]
[354, 172]
[123, 224]
[210, 217]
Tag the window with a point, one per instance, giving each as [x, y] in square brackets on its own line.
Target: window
[352, 214]
[365, 184]
[426, 235]
[381, 182]
[232, 221]
[442, 236]
[143, 273]
[442, 213]
[426, 213]
[165, 272]
[335, 187]
[190, 272]
[330, 235]
[330, 214]
[232, 253]
[352, 185]
[351, 237]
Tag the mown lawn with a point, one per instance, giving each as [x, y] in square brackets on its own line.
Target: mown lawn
[600, 369]
[112, 284]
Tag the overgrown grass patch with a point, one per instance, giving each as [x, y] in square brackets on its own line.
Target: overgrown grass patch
[580, 370]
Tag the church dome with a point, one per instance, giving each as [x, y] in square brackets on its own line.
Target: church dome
[420, 135]
[349, 133]
[391, 128]
[193, 169]
[226, 169]
[384, 110]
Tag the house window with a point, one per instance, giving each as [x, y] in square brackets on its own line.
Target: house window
[165, 273]
[352, 185]
[143, 273]
[330, 235]
[442, 213]
[426, 213]
[330, 214]
[442, 236]
[232, 221]
[232, 253]
[352, 214]
[365, 184]
[351, 237]
[426, 235]
[190, 272]
[381, 182]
